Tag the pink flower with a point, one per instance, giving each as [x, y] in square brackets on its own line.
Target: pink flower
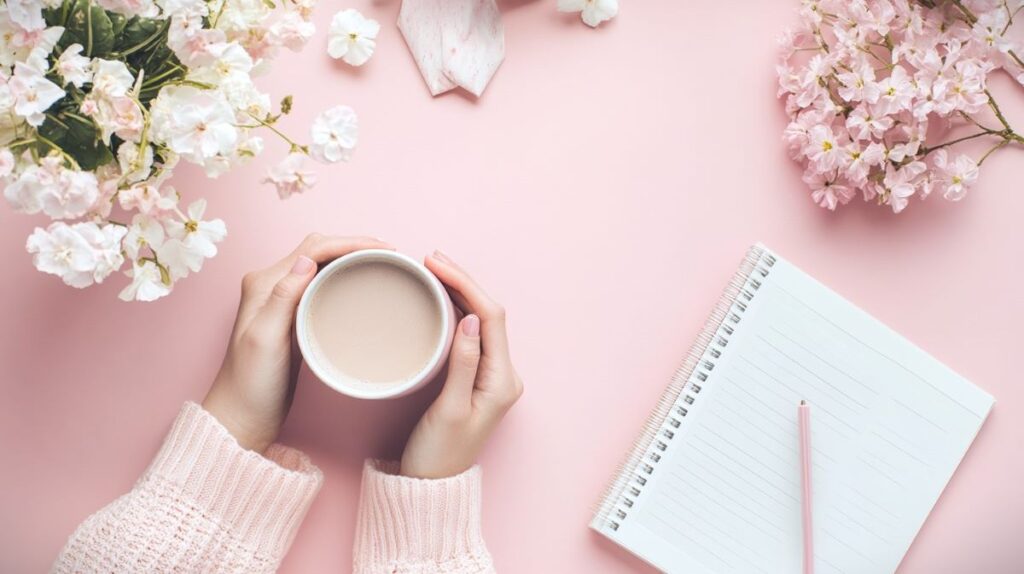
[797, 133]
[859, 161]
[967, 89]
[955, 175]
[824, 149]
[988, 30]
[897, 91]
[874, 16]
[290, 176]
[901, 184]
[148, 198]
[191, 42]
[859, 85]
[292, 31]
[827, 192]
[124, 119]
[865, 123]
[49, 187]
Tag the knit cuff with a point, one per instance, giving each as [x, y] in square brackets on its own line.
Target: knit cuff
[259, 499]
[414, 524]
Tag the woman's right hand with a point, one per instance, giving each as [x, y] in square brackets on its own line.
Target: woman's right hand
[481, 386]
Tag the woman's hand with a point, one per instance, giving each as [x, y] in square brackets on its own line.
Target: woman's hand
[481, 386]
[253, 391]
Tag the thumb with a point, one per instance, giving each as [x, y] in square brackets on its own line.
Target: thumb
[279, 310]
[462, 365]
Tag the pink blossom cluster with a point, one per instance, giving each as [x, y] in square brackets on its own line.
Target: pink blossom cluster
[873, 88]
[199, 106]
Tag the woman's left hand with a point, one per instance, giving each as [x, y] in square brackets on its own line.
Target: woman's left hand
[253, 391]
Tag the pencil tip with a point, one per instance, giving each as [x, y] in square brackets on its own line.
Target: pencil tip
[802, 402]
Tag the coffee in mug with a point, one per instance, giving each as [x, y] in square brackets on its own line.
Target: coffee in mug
[375, 324]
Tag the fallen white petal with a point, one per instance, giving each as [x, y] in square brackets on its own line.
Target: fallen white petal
[456, 43]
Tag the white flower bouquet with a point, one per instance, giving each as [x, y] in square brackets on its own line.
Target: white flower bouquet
[100, 99]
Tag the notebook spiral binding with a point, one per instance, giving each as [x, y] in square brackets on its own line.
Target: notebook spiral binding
[661, 427]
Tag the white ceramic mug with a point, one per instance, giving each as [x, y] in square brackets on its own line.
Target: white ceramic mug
[354, 387]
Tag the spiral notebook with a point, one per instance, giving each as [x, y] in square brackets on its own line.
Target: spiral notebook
[713, 485]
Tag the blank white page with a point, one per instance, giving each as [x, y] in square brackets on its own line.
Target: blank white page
[889, 424]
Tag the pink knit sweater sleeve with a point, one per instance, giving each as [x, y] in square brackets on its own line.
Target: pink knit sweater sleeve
[204, 504]
[417, 526]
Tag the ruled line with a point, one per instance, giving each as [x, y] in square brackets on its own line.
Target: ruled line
[812, 373]
[880, 354]
[921, 416]
[901, 449]
[828, 363]
[714, 459]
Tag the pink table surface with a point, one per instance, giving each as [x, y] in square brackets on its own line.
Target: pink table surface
[603, 188]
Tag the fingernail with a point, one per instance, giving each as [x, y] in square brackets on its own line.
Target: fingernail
[471, 326]
[438, 254]
[303, 265]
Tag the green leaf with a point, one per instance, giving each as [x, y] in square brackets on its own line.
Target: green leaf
[89, 26]
[135, 32]
[54, 16]
[77, 138]
[119, 21]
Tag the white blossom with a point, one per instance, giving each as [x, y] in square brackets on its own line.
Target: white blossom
[60, 250]
[80, 254]
[334, 134]
[197, 124]
[75, 68]
[190, 241]
[33, 93]
[593, 12]
[352, 37]
[134, 168]
[147, 283]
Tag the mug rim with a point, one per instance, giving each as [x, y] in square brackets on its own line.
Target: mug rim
[330, 377]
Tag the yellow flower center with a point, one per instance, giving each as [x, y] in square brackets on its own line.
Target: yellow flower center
[826, 145]
[192, 226]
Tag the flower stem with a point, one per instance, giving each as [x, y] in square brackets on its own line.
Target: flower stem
[54, 119]
[928, 150]
[995, 109]
[142, 45]
[20, 143]
[967, 117]
[291, 142]
[992, 149]
[88, 28]
[59, 150]
[150, 81]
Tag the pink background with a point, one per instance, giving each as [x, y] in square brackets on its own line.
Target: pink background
[603, 189]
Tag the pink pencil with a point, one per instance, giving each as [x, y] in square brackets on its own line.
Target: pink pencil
[804, 418]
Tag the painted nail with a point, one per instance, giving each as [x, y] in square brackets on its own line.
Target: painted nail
[438, 254]
[303, 265]
[471, 326]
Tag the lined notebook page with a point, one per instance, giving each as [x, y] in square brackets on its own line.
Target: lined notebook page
[889, 426]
